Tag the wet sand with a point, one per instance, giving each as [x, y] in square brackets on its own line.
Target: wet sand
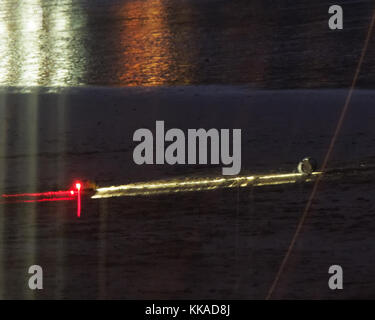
[223, 244]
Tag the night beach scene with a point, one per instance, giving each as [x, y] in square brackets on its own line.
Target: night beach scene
[187, 150]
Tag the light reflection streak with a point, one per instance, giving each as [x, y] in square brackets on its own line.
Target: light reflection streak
[2, 254]
[31, 121]
[3, 170]
[163, 187]
[61, 212]
[64, 44]
[59, 26]
[147, 54]
[39, 200]
[39, 46]
[30, 16]
[102, 251]
[4, 49]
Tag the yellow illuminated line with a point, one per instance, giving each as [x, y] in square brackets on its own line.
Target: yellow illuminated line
[280, 176]
[174, 186]
[286, 175]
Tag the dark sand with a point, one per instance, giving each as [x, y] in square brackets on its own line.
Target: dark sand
[215, 244]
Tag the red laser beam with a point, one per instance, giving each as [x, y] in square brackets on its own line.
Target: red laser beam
[78, 187]
[50, 196]
[38, 200]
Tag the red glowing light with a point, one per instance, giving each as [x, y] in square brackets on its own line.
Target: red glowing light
[78, 187]
[38, 200]
[50, 196]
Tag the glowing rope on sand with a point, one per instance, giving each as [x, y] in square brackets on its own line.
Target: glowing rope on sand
[173, 186]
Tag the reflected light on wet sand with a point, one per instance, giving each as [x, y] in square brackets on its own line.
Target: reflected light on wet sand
[36, 41]
[30, 17]
[174, 186]
[146, 43]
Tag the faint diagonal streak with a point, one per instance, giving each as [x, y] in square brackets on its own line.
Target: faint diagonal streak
[325, 162]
